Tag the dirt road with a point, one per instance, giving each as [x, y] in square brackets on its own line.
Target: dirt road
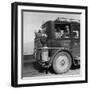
[31, 69]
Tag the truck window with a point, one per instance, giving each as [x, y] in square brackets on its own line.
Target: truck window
[75, 34]
[62, 31]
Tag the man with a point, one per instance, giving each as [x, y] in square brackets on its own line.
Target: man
[67, 31]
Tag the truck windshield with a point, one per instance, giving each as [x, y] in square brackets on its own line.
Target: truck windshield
[62, 31]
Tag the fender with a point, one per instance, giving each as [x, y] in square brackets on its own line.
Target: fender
[60, 50]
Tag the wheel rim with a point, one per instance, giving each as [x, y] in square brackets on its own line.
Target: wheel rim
[62, 63]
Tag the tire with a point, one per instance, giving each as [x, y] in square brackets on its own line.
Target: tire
[62, 62]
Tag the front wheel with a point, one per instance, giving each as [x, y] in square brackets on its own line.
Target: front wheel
[62, 62]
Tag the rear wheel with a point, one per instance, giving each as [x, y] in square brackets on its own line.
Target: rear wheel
[62, 62]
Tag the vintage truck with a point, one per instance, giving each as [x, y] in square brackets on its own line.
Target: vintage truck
[57, 44]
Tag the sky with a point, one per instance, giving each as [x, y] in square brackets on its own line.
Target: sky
[32, 22]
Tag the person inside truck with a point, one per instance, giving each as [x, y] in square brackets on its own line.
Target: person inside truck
[59, 33]
[67, 31]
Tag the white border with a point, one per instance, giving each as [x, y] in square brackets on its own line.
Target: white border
[45, 79]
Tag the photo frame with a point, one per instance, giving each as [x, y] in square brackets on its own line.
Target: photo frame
[48, 44]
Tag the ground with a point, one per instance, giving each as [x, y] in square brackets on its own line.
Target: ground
[31, 68]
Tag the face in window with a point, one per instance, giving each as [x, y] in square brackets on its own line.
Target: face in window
[67, 32]
[67, 29]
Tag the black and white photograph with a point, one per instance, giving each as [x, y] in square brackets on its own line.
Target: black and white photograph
[51, 44]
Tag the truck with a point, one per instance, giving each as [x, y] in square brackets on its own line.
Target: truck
[57, 44]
